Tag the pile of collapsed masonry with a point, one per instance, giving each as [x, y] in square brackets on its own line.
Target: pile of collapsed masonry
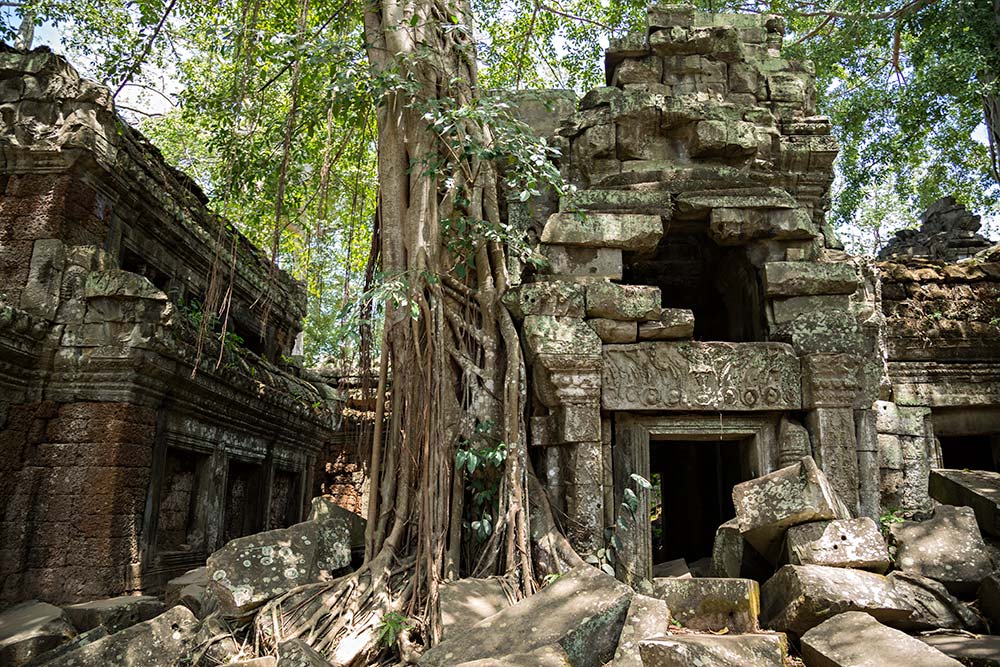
[825, 596]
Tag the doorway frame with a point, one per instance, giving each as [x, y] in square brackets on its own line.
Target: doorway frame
[630, 455]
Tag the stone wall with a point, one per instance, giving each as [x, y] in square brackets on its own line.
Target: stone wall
[692, 277]
[133, 444]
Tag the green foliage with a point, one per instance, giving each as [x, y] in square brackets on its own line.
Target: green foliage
[390, 628]
[481, 462]
[607, 558]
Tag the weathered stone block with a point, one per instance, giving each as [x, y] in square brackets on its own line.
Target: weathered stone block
[622, 302]
[114, 613]
[326, 508]
[947, 547]
[614, 331]
[856, 639]
[989, 599]
[646, 617]
[251, 570]
[786, 310]
[735, 226]
[768, 506]
[978, 489]
[42, 291]
[794, 443]
[159, 642]
[759, 650]
[545, 335]
[297, 653]
[800, 597]
[652, 202]
[198, 576]
[672, 324]
[635, 70]
[854, 543]
[978, 651]
[674, 376]
[734, 557]
[465, 602]
[704, 201]
[552, 655]
[625, 231]
[583, 611]
[808, 278]
[29, 629]
[900, 420]
[932, 606]
[669, 16]
[558, 299]
[716, 138]
[582, 263]
[711, 604]
[835, 448]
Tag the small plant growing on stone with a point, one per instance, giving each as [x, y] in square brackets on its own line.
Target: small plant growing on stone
[391, 627]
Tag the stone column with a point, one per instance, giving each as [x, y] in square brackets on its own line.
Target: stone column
[829, 387]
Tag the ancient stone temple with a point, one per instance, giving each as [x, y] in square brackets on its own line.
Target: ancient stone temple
[697, 323]
[121, 466]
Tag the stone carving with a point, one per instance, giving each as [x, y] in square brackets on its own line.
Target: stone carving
[700, 376]
[947, 232]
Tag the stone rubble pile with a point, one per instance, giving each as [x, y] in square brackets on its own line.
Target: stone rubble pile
[948, 232]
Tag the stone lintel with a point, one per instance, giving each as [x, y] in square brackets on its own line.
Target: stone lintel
[701, 376]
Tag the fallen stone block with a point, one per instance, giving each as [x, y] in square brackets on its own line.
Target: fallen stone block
[158, 642]
[297, 653]
[672, 568]
[978, 651]
[197, 576]
[199, 599]
[251, 570]
[30, 629]
[672, 324]
[81, 640]
[583, 611]
[800, 597]
[855, 639]
[467, 601]
[768, 506]
[932, 606]
[854, 543]
[734, 557]
[114, 613]
[758, 650]
[546, 656]
[646, 617]
[711, 604]
[325, 508]
[978, 489]
[989, 600]
[947, 547]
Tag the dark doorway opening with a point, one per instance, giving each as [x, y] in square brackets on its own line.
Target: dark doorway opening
[243, 515]
[718, 284]
[973, 452]
[692, 494]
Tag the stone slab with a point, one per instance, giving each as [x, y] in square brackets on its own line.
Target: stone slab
[563, 262]
[29, 629]
[855, 543]
[158, 642]
[251, 570]
[761, 650]
[622, 302]
[647, 616]
[198, 576]
[554, 298]
[614, 332]
[800, 597]
[978, 489]
[700, 376]
[948, 547]
[855, 639]
[545, 335]
[297, 653]
[583, 611]
[989, 600]
[786, 279]
[932, 606]
[625, 231]
[979, 651]
[711, 604]
[546, 656]
[734, 557]
[325, 508]
[900, 420]
[114, 613]
[768, 506]
[672, 324]
[465, 602]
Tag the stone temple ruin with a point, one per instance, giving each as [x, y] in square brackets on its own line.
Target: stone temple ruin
[697, 324]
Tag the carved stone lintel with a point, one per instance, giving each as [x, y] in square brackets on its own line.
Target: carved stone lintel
[700, 376]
